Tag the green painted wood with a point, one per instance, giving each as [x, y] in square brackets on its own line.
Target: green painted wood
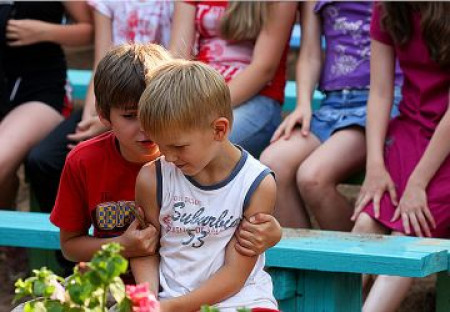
[331, 292]
[38, 257]
[79, 81]
[28, 229]
[284, 283]
[443, 292]
[287, 305]
[346, 252]
[290, 97]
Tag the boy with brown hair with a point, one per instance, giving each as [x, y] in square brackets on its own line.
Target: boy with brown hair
[98, 180]
[197, 194]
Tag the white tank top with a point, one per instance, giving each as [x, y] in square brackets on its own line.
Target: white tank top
[197, 222]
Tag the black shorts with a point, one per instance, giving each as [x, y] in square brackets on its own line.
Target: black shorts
[45, 86]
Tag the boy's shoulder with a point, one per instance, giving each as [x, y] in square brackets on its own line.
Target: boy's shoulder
[99, 148]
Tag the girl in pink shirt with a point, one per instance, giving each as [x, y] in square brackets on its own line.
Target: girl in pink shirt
[407, 186]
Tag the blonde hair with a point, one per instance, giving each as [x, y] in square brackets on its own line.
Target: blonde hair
[183, 95]
[244, 20]
[121, 75]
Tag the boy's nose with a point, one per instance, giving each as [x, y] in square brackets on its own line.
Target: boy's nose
[170, 157]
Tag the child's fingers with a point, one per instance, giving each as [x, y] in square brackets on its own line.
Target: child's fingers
[306, 126]
[423, 224]
[244, 234]
[260, 218]
[429, 217]
[415, 224]
[133, 225]
[396, 215]
[405, 221]
[359, 207]
[244, 251]
[376, 205]
[393, 194]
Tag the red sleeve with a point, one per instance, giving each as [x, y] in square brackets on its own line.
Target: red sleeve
[376, 30]
[71, 212]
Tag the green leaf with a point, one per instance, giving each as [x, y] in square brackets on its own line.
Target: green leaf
[39, 288]
[117, 288]
[54, 306]
[125, 305]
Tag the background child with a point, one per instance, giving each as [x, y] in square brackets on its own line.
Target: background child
[312, 152]
[33, 77]
[408, 157]
[116, 22]
[247, 43]
[98, 180]
[197, 193]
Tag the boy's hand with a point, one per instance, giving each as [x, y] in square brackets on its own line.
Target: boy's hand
[256, 235]
[139, 242]
[86, 129]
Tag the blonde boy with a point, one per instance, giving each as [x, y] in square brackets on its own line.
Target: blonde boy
[197, 194]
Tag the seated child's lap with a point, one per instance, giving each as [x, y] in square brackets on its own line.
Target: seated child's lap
[404, 147]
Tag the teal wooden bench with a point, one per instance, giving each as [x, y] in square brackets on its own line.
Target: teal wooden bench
[311, 270]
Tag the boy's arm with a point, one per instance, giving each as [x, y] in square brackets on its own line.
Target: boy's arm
[257, 234]
[136, 242]
[146, 269]
[230, 279]
[71, 215]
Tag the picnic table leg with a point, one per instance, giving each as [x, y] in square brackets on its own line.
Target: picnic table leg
[443, 292]
[329, 291]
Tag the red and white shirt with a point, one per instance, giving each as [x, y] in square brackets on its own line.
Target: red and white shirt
[228, 57]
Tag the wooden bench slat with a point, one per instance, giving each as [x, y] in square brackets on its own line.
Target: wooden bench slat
[346, 252]
[28, 229]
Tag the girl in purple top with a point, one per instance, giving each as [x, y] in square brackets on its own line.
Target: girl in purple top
[407, 185]
[312, 152]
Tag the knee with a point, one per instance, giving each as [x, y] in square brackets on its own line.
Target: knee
[283, 173]
[311, 180]
[365, 224]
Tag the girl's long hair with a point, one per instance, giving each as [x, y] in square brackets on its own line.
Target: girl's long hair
[243, 20]
[435, 26]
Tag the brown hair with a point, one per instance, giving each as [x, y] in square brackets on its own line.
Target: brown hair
[183, 95]
[435, 26]
[120, 77]
[243, 20]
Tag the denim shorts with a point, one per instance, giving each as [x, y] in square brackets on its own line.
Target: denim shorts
[255, 121]
[342, 109]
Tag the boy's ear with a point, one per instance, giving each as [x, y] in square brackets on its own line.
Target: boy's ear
[105, 121]
[221, 128]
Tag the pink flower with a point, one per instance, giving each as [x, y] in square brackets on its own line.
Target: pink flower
[142, 299]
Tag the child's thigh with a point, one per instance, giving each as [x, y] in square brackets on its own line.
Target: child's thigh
[342, 155]
[289, 154]
[18, 135]
[254, 123]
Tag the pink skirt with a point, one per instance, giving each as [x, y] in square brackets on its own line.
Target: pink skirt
[405, 145]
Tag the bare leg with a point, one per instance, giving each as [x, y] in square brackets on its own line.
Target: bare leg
[318, 176]
[284, 157]
[20, 130]
[365, 224]
[388, 292]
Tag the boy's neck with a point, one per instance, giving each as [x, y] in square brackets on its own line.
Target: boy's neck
[221, 166]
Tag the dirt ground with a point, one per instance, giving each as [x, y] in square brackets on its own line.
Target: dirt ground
[13, 261]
